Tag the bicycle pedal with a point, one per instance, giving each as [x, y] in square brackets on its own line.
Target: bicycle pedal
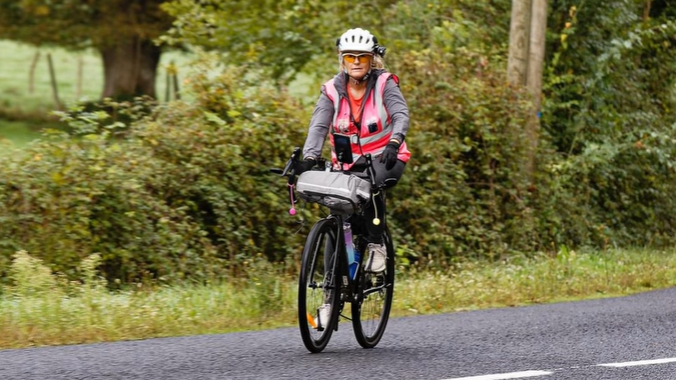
[380, 281]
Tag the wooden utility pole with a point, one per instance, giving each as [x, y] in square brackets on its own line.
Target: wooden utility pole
[519, 41]
[536, 52]
[646, 9]
[526, 56]
[527, 46]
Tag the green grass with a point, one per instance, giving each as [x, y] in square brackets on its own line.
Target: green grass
[16, 134]
[15, 68]
[15, 94]
[43, 309]
[24, 111]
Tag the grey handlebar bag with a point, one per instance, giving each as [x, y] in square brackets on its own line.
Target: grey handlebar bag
[342, 193]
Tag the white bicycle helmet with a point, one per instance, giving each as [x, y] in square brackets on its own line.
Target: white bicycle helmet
[357, 40]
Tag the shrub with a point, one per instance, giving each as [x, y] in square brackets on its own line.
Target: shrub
[185, 194]
[467, 191]
[609, 103]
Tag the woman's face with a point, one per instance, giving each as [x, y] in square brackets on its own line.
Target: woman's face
[357, 64]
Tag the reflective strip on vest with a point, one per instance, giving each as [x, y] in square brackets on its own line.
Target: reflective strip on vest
[332, 93]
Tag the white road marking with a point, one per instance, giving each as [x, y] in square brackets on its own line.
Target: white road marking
[641, 362]
[524, 374]
[505, 376]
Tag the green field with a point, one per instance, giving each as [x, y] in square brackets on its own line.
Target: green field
[24, 108]
[15, 68]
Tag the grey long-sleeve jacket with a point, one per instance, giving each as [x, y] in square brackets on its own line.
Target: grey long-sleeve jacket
[323, 113]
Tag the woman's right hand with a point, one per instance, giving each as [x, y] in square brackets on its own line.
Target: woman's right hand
[304, 165]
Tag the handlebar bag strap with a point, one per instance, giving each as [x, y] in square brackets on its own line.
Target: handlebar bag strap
[342, 193]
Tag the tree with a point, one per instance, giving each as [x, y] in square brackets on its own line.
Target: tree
[121, 30]
[281, 36]
[285, 37]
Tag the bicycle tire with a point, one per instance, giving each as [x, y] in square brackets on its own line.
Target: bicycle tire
[318, 284]
[372, 310]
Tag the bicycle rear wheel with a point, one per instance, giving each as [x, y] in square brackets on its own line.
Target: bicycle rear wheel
[370, 316]
[318, 285]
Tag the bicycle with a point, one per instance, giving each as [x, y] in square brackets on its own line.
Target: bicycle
[326, 276]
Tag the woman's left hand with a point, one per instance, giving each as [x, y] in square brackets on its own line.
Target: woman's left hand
[389, 156]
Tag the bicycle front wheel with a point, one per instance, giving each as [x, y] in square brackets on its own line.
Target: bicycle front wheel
[318, 288]
[370, 316]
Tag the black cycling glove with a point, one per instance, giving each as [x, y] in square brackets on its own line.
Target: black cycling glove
[304, 165]
[389, 156]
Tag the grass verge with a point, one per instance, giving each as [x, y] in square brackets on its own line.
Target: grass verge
[41, 308]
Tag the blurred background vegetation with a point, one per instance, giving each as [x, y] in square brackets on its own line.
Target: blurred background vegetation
[174, 185]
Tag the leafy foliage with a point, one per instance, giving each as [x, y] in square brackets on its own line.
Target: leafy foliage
[609, 107]
[469, 145]
[289, 36]
[280, 35]
[186, 192]
[77, 24]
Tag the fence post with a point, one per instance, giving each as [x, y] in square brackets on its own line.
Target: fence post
[55, 89]
[177, 92]
[167, 85]
[31, 73]
[78, 87]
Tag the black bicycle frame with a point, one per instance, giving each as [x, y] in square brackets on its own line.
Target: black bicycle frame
[342, 273]
[341, 264]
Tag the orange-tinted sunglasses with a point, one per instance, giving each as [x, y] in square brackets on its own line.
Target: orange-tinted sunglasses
[351, 58]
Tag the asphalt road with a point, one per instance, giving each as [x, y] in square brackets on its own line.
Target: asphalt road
[621, 338]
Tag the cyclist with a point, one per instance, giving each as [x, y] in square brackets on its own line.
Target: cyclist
[363, 102]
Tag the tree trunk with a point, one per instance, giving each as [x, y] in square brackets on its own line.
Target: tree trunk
[130, 69]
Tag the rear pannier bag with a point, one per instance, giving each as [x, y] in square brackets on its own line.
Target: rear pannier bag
[342, 193]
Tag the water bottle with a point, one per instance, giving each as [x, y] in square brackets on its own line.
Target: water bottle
[355, 265]
[352, 254]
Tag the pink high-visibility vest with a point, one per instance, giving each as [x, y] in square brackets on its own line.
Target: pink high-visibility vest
[371, 140]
